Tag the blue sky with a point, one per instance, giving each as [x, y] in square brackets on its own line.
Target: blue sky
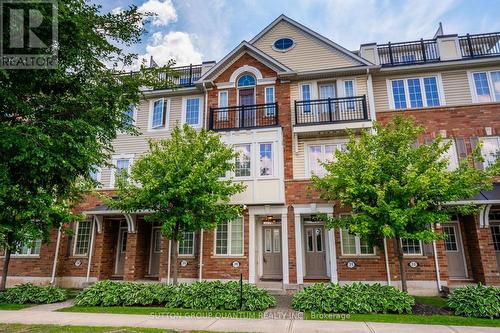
[194, 30]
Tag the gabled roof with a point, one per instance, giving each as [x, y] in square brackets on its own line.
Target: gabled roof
[255, 52]
[312, 33]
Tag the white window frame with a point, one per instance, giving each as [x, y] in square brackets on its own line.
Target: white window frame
[323, 149]
[252, 159]
[29, 254]
[223, 116]
[421, 253]
[184, 110]
[451, 154]
[472, 85]
[151, 112]
[341, 87]
[272, 160]
[192, 250]
[439, 83]
[75, 239]
[482, 151]
[229, 240]
[129, 157]
[357, 242]
[98, 174]
[273, 113]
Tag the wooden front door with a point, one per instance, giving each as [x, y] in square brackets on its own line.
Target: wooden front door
[121, 249]
[315, 252]
[273, 268]
[248, 113]
[454, 251]
[155, 251]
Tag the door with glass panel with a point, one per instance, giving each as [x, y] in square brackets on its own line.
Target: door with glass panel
[495, 234]
[326, 91]
[155, 251]
[272, 266]
[454, 251]
[121, 249]
[247, 102]
[315, 254]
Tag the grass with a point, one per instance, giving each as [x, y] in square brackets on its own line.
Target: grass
[431, 300]
[159, 311]
[19, 328]
[14, 306]
[406, 319]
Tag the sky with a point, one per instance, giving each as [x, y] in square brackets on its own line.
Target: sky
[192, 31]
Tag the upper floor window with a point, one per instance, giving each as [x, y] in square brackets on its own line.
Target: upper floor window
[246, 80]
[29, 249]
[411, 246]
[95, 174]
[266, 159]
[129, 115]
[229, 238]
[486, 86]
[490, 150]
[283, 44]
[82, 238]
[159, 114]
[192, 111]
[415, 93]
[451, 155]
[348, 88]
[223, 103]
[186, 245]
[305, 91]
[121, 168]
[319, 154]
[353, 245]
[243, 161]
[269, 98]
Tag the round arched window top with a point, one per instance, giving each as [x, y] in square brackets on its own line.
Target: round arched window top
[246, 80]
[283, 44]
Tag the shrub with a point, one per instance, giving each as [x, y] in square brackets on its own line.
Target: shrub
[205, 295]
[31, 294]
[355, 298]
[475, 301]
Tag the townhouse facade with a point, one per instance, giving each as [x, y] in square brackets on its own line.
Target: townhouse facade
[285, 101]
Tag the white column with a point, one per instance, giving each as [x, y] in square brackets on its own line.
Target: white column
[251, 247]
[284, 248]
[298, 250]
[333, 256]
[387, 268]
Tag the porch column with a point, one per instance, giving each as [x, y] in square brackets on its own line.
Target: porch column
[298, 249]
[333, 254]
[284, 248]
[251, 247]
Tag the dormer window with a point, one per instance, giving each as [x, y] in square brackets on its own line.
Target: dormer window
[246, 80]
[283, 44]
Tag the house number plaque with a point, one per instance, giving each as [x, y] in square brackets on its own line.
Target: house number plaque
[413, 264]
[351, 264]
[184, 263]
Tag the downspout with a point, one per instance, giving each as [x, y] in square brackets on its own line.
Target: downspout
[387, 269]
[371, 101]
[436, 264]
[206, 105]
[168, 264]
[200, 273]
[56, 257]
[91, 250]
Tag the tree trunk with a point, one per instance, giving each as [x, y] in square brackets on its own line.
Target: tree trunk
[175, 267]
[6, 261]
[402, 273]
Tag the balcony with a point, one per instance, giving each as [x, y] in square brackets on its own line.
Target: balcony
[407, 53]
[480, 45]
[331, 110]
[185, 76]
[243, 117]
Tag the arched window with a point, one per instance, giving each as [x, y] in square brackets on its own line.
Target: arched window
[246, 80]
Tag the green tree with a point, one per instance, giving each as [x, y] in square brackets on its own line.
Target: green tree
[57, 125]
[178, 180]
[397, 189]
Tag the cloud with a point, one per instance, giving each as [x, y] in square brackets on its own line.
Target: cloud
[165, 11]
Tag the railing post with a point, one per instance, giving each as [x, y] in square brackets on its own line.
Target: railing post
[365, 109]
[330, 109]
[242, 120]
[211, 119]
[190, 74]
[275, 113]
[390, 53]
[469, 43]
[296, 113]
[424, 57]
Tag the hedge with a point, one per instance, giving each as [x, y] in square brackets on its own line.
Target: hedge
[475, 301]
[30, 294]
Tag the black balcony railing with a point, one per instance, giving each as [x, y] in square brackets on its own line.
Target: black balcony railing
[185, 76]
[331, 110]
[243, 116]
[480, 45]
[406, 53]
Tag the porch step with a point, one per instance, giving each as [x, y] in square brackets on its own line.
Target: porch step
[273, 287]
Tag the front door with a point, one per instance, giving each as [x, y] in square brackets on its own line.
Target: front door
[247, 114]
[315, 252]
[495, 234]
[326, 91]
[454, 251]
[273, 268]
[154, 256]
[121, 249]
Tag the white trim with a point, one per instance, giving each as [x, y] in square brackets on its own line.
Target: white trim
[229, 241]
[334, 278]
[439, 83]
[187, 255]
[56, 257]
[184, 110]
[283, 50]
[90, 251]
[115, 158]
[284, 249]
[245, 69]
[251, 247]
[298, 249]
[76, 240]
[387, 266]
[357, 245]
[167, 105]
[472, 85]
[421, 245]
[119, 248]
[273, 160]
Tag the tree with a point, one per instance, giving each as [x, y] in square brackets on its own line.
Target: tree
[178, 180]
[397, 189]
[57, 125]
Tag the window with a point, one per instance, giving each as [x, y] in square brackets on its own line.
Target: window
[306, 96]
[318, 154]
[348, 88]
[266, 159]
[408, 93]
[95, 174]
[486, 86]
[411, 246]
[243, 167]
[186, 245]
[490, 150]
[269, 94]
[129, 115]
[450, 243]
[451, 155]
[246, 80]
[283, 44]
[229, 238]
[121, 168]
[192, 111]
[223, 103]
[495, 234]
[158, 119]
[353, 245]
[82, 238]
[29, 249]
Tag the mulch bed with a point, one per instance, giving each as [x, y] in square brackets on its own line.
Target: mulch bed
[429, 310]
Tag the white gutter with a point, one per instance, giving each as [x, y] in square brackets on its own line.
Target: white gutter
[168, 263]
[200, 274]
[91, 250]
[387, 269]
[471, 202]
[436, 263]
[56, 255]
[371, 100]
[206, 105]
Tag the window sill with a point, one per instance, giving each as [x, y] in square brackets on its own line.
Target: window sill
[156, 130]
[414, 256]
[23, 256]
[359, 256]
[228, 256]
[76, 256]
[187, 256]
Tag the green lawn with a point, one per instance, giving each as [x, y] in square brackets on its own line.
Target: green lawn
[14, 306]
[158, 310]
[431, 300]
[407, 319]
